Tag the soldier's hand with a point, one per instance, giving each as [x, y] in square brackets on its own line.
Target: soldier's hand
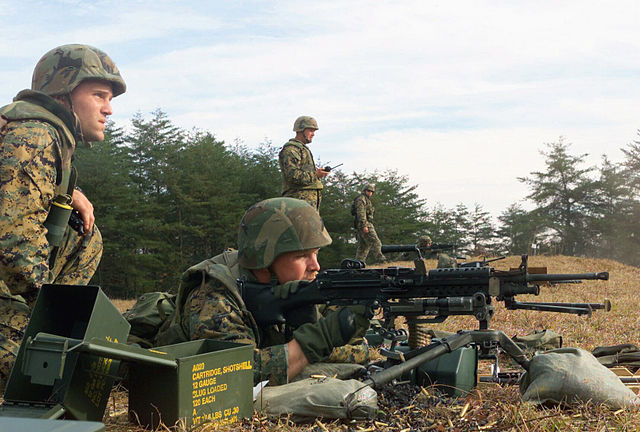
[83, 206]
[321, 173]
[365, 230]
[283, 291]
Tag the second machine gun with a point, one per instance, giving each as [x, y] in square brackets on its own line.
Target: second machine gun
[429, 296]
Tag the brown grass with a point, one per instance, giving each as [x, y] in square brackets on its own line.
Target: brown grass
[499, 408]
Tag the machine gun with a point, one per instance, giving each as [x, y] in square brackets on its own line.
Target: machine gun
[430, 297]
[438, 293]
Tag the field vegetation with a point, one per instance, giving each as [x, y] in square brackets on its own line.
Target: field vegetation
[495, 408]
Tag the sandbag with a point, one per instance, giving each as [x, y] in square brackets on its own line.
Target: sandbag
[311, 398]
[573, 375]
[341, 371]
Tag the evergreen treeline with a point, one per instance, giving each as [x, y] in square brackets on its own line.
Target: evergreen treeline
[166, 198]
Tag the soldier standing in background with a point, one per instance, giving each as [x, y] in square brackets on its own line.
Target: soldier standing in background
[300, 177]
[363, 223]
[68, 103]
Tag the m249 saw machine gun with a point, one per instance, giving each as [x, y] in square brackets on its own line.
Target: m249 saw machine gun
[426, 296]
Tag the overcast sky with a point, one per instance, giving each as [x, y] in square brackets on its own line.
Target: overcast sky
[458, 95]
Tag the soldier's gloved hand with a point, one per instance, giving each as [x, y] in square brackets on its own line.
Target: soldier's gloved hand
[317, 340]
[284, 290]
[301, 315]
[362, 319]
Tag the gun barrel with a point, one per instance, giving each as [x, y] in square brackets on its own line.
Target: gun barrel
[567, 277]
[398, 248]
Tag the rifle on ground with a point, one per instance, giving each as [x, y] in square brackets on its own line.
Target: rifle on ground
[429, 297]
[435, 247]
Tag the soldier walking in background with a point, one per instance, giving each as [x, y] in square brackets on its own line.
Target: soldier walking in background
[363, 223]
[300, 177]
[68, 103]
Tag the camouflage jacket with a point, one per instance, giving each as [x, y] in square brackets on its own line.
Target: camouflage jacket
[211, 307]
[37, 142]
[364, 211]
[298, 168]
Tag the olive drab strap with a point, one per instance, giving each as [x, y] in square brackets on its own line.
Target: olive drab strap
[60, 212]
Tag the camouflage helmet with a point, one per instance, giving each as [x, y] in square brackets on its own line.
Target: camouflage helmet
[61, 70]
[369, 187]
[278, 225]
[424, 240]
[305, 122]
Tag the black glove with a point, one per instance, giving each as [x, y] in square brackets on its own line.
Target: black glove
[301, 315]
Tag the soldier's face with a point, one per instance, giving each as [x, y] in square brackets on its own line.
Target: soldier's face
[92, 104]
[308, 134]
[298, 265]
[368, 193]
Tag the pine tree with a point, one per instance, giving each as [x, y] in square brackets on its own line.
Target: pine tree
[481, 231]
[562, 194]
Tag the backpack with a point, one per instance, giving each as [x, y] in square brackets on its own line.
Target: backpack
[353, 208]
[147, 315]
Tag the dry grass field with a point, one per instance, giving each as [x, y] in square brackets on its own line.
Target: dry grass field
[496, 408]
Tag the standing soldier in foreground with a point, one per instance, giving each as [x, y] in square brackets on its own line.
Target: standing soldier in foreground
[363, 223]
[68, 103]
[300, 177]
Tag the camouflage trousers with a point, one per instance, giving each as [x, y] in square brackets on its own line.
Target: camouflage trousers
[76, 262]
[312, 196]
[369, 242]
[355, 351]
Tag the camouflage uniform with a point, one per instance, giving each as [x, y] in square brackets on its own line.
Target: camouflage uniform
[38, 142]
[364, 218]
[214, 309]
[299, 178]
[209, 304]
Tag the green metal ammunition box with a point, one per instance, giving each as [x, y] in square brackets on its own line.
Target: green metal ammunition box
[373, 339]
[75, 385]
[455, 373]
[213, 383]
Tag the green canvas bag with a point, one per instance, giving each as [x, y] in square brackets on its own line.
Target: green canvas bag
[147, 315]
